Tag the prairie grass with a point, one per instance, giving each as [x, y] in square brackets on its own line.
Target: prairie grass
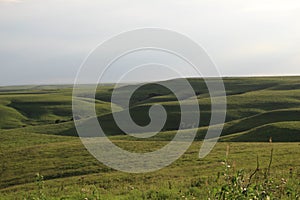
[41, 156]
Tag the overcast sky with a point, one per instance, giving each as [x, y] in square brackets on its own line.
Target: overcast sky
[45, 41]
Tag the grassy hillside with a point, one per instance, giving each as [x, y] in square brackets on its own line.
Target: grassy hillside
[37, 135]
[252, 102]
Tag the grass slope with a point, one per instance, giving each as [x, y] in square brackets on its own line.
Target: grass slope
[252, 102]
[36, 136]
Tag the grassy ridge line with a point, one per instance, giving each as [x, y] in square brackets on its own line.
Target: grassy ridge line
[261, 119]
[11, 118]
[287, 131]
[281, 131]
[26, 110]
[248, 99]
[242, 125]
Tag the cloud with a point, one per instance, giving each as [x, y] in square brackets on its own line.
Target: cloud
[10, 1]
[257, 37]
[274, 6]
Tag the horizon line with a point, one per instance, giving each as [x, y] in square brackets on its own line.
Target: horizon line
[138, 82]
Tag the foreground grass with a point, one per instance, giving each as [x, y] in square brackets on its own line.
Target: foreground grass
[69, 172]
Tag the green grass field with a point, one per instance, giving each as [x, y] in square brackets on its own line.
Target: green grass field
[37, 135]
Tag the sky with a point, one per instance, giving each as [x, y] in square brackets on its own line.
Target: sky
[45, 42]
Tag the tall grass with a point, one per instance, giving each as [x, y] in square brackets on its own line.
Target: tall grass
[230, 183]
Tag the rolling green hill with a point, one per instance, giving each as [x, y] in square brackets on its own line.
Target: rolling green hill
[37, 135]
[252, 103]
